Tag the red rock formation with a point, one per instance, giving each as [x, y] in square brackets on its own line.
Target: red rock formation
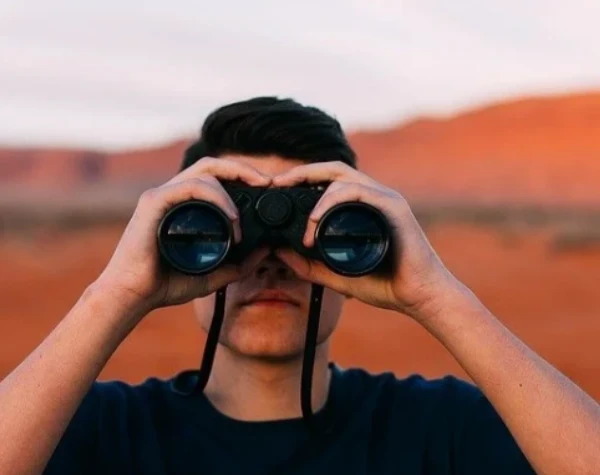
[539, 150]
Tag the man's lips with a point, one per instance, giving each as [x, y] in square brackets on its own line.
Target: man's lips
[270, 296]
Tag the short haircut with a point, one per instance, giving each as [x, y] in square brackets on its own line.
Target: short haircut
[264, 126]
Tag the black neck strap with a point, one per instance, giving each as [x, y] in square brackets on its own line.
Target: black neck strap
[210, 348]
[310, 347]
[312, 331]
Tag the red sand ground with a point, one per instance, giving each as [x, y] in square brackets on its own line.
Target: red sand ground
[550, 300]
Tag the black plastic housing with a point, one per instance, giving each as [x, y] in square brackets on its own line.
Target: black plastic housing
[271, 217]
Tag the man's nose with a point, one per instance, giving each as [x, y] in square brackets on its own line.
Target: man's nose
[272, 267]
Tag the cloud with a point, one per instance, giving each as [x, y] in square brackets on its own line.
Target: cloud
[114, 73]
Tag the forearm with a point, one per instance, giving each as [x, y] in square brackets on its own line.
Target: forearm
[554, 422]
[38, 399]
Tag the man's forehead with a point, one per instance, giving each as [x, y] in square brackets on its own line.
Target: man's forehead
[270, 165]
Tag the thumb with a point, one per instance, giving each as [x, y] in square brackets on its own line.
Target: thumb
[230, 273]
[202, 285]
[312, 271]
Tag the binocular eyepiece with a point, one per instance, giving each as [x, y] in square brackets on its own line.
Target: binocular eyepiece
[195, 237]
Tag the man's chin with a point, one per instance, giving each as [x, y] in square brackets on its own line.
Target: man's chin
[270, 356]
[272, 347]
[277, 335]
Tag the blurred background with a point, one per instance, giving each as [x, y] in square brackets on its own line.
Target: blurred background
[485, 115]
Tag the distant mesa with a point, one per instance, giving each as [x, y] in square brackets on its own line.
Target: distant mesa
[92, 167]
[542, 150]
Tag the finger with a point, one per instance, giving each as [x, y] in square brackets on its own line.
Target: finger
[224, 169]
[312, 271]
[230, 273]
[212, 181]
[202, 285]
[311, 226]
[341, 193]
[160, 200]
[320, 173]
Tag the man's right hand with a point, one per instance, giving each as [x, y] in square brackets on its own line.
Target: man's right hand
[134, 272]
[40, 397]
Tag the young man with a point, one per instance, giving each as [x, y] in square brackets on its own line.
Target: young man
[522, 415]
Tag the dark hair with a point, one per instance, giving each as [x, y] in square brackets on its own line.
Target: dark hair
[271, 126]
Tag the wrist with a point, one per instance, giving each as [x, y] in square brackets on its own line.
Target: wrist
[445, 298]
[119, 304]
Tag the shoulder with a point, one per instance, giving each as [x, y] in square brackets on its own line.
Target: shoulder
[428, 407]
[108, 400]
[108, 405]
[116, 391]
[414, 390]
[118, 399]
[101, 422]
[447, 415]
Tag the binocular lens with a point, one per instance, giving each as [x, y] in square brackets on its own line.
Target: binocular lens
[195, 237]
[353, 238]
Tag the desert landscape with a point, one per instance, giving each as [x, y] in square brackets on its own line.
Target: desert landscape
[509, 195]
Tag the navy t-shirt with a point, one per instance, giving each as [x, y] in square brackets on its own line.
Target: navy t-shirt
[371, 424]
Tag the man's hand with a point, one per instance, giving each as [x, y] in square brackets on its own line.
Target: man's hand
[41, 396]
[134, 270]
[556, 425]
[419, 279]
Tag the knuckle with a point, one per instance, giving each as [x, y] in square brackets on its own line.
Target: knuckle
[204, 188]
[335, 186]
[206, 161]
[196, 181]
[397, 196]
[383, 195]
[149, 196]
[207, 187]
[222, 167]
[210, 180]
[340, 166]
[189, 186]
[236, 164]
[205, 165]
[402, 204]
[350, 189]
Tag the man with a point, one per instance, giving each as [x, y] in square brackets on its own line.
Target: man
[522, 415]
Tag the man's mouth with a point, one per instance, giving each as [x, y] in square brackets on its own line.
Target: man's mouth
[271, 297]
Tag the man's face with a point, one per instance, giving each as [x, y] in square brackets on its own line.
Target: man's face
[269, 328]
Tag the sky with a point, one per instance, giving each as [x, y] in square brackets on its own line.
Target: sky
[114, 74]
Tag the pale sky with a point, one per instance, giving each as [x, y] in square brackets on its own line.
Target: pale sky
[125, 73]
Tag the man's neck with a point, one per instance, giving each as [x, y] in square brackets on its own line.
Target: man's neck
[253, 390]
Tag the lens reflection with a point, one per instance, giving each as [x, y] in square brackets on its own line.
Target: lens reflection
[353, 239]
[196, 238]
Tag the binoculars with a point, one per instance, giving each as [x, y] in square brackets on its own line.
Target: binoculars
[351, 239]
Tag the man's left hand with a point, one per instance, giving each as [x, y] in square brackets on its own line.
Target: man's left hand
[419, 281]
